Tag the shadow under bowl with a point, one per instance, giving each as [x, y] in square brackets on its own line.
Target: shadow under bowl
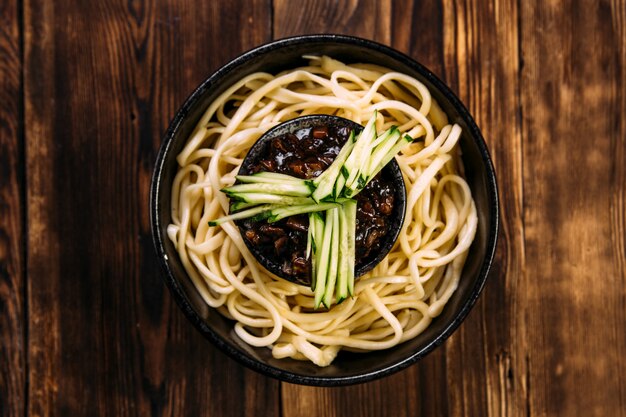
[391, 173]
[348, 367]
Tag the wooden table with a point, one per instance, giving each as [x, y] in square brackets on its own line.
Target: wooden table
[87, 88]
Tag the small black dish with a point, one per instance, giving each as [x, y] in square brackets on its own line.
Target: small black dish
[390, 173]
[348, 367]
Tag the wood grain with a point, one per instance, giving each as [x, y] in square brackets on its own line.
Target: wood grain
[102, 80]
[86, 91]
[366, 18]
[13, 321]
[572, 107]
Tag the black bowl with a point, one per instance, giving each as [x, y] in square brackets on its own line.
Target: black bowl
[391, 173]
[348, 368]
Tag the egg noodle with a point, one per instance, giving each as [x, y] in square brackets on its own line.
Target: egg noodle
[392, 303]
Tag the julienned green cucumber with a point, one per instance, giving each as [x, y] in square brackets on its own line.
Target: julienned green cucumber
[256, 211]
[273, 212]
[349, 210]
[286, 211]
[326, 181]
[379, 152]
[333, 263]
[323, 258]
[316, 222]
[342, 270]
[399, 146]
[290, 189]
[267, 198]
[358, 153]
[358, 162]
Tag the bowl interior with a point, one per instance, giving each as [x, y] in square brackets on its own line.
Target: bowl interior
[348, 367]
[391, 173]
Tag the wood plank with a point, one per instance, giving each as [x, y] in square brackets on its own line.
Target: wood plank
[391, 396]
[12, 280]
[486, 356]
[367, 18]
[102, 80]
[573, 148]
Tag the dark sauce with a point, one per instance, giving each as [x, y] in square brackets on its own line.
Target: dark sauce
[306, 154]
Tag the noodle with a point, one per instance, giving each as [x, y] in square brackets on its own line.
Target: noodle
[392, 303]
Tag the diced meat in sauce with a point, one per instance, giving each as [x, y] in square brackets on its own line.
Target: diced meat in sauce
[306, 154]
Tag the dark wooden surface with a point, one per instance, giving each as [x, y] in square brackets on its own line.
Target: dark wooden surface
[86, 90]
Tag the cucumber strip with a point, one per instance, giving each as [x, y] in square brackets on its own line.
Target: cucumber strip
[389, 139]
[277, 179]
[339, 185]
[240, 205]
[341, 200]
[342, 274]
[323, 262]
[282, 212]
[334, 258]
[309, 238]
[326, 181]
[355, 160]
[392, 134]
[401, 144]
[339, 159]
[291, 189]
[383, 149]
[317, 235]
[264, 198]
[349, 209]
[243, 214]
[385, 136]
[318, 220]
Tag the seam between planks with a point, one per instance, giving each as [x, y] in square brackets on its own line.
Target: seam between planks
[520, 125]
[24, 206]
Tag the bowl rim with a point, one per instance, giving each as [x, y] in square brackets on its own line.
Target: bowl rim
[179, 293]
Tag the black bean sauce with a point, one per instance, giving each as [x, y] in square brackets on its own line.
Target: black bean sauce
[306, 154]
